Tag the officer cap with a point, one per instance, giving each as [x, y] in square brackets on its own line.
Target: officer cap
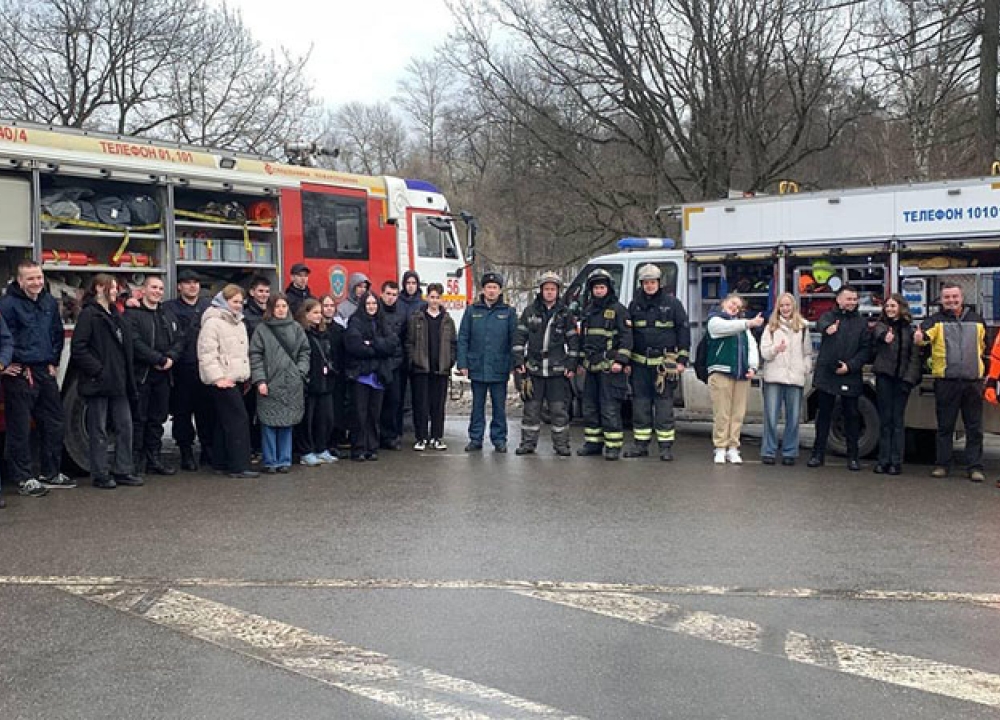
[491, 277]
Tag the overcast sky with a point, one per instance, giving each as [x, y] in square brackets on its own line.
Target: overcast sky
[360, 47]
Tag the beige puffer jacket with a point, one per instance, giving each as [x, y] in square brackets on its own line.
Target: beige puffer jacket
[792, 366]
[223, 347]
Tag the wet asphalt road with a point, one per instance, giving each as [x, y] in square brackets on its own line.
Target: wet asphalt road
[686, 560]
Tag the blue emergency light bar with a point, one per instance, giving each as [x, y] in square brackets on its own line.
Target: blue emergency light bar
[645, 244]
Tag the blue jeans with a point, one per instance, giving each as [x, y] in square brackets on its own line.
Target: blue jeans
[776, 395]
[276, 446]
[498, 425]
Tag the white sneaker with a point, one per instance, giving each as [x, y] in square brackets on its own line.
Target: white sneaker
[733, 456]
[420, 445]
[720, 456]
[326, 457]
[438, 445]
[311, 460]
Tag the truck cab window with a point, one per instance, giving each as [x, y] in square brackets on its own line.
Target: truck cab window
[334, 226]
[435, 238]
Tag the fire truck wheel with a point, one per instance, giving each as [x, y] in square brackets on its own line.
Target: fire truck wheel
[868, 436]
[76, 443]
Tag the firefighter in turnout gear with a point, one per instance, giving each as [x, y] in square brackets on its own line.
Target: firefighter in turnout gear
[661, 341]
[546, 350]
[606, 345]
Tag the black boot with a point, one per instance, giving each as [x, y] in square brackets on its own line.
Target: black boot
[815, 461]
[155, 466]
[524, 450]
[639, 449]
[188, 461]
[563, 451]
[666, 452]
[132, 480]
[590, 449]
[612, 453]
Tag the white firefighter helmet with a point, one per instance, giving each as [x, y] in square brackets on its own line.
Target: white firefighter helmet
[550, 277]
[649, 271]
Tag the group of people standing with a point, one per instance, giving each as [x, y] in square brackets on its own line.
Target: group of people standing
[953, 338]
[290, 373]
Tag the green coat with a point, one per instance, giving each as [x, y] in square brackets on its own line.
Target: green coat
[284, 371]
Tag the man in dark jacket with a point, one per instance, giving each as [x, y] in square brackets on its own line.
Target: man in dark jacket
[546, 350]
[411, 300]
[394, 320]
[843, 351]
[485, 342]
[253, 315]
[157, 345]
[29, 381]
[957, 337]
[606, 347]
[298, 289]
[189, 403]
[661, 343]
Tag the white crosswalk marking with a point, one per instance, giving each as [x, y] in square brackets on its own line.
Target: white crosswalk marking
[420, 691]
[905, 670]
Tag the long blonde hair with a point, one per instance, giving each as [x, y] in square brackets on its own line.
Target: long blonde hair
[798, 322]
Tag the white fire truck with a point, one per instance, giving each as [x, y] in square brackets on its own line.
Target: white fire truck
[909, 239]
[82, 203]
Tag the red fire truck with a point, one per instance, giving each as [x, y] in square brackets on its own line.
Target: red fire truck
[81, 202]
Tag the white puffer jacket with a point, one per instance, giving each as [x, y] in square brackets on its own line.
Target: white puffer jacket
[792, 366]
[223, 347]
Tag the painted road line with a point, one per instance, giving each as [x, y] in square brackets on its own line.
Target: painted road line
[420, 691]
[905, 670]
[991, 600]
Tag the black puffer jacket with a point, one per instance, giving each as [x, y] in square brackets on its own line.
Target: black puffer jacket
[901, 358]
[189, 322]
[394, 319]
[156, 336]
[369, 347]
[850, 344]
[253, 315]
[101, 350]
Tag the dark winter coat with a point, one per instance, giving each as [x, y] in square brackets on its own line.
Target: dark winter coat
[394, 320]
[253, 314]
[486, 341]
[369, 348]
[546, 341]
[324, 362]
[901, 358]
[280, 357]
[34, 325]
[411, 303]
[156, 336]
[417, 349]
[850, 344]
[188, 319]
[295, 299]
[659, 325]
[101, 351]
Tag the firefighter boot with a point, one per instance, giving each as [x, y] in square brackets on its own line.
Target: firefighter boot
[666, 451]
[562, 449]
[639, 449]
[155, 466]
[612, 453]
[188, 461]
[590, 448]
[524, 449]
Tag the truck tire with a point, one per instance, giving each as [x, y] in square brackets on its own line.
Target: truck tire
[76, 444]
[867, 437]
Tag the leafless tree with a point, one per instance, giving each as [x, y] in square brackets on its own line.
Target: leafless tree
[178, 69]
[371, 138]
